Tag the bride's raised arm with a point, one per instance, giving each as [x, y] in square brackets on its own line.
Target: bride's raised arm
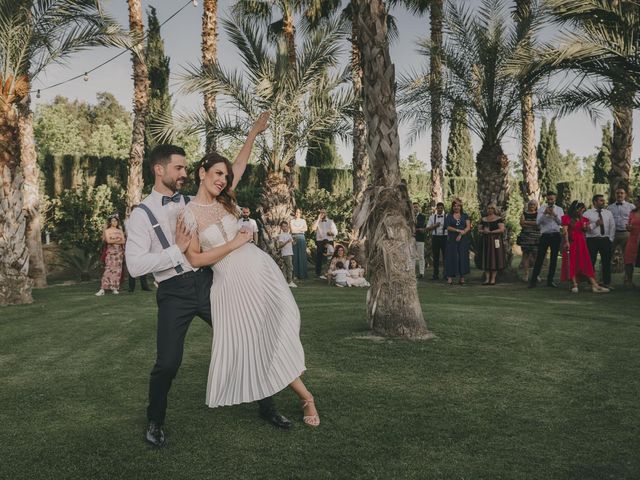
[240, 163]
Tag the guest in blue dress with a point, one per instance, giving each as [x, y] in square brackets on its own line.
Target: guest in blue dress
[456, 259]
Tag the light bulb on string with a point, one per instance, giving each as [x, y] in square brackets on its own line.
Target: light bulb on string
[86, 77]
[195, 3]
[38, 94]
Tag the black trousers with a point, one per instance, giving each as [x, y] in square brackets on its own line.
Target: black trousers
[438, 247]
[143, 283]
[602, 246]
[320, 255]
[547, 241]
[179, 300]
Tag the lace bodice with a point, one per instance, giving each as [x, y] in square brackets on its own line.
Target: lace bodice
[214, 224]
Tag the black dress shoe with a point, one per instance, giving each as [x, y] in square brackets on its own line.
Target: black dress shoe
[276, 419]
[155, 435]
[552, 284]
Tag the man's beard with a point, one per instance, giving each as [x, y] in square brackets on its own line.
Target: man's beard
[172, 184]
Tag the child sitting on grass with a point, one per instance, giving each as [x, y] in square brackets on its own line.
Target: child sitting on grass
[339, 275]
[355, 275]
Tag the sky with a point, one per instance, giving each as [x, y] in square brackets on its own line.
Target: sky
[182, 44]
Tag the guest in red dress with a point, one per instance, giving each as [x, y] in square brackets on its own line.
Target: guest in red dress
[576, 262]
[631, 250]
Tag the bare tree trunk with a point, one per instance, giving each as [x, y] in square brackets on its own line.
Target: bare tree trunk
[140, 106]
[435, 89]
[290, 35]
[274, 207]
[621, 150]
[492, 166]
[209, 57]
[531, 190]
[385, 215]
[360, 161]
[31, 195]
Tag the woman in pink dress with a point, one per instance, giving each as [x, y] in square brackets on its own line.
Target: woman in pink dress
[576, 263]
[631, 250]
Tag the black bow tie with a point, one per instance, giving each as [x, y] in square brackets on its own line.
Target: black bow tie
[174, 198]
[245, 219]
[618, 203]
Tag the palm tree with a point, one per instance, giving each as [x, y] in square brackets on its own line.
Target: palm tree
[32, 36]
[385, 215]
[209, 57]
[269, 83]
[479, 48]
[135, 181]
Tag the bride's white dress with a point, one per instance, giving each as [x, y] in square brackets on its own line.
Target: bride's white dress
[256, 322]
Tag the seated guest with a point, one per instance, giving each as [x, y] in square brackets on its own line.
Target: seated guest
[458, 225]
[355, 277]
[631, 251]
[340, 275]
[548, 220]
[529, 237]
[576, 263]
[600, 235]
[339, 255]
[492, 231]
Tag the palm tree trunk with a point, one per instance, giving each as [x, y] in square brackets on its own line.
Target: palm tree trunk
[621, 150]
[493, 186]
[274, 207]
[290, 35]
[15, 284]
[435, 89]
[140, 107]
[31, 195]
[209, 57]
[531, 187]
[360, 160]
[385, 215]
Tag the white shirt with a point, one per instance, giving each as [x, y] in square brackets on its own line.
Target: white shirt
[435, 218]
[298, 225]
[607, 220]
[143, 251]
[323, 227]
[250, 223]
[287, 250]
[340, 276]
[621, 214]
[549, 223]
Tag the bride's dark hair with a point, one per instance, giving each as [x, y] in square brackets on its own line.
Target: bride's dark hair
[227, 196]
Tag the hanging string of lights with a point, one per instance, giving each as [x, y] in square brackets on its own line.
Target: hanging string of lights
[85, 75]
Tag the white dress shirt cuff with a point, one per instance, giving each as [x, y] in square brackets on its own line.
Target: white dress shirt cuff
[175, 255]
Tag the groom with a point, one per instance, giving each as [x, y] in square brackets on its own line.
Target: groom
[155, 245]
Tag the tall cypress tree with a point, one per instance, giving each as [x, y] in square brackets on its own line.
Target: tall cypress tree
[549, 158]
[602, 165]
[159, 97]
[460, 162]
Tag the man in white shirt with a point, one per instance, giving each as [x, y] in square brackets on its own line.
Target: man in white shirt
[156, 244]
[326, 231]
[620, 210]
[435, 225]
[549, 220]
[602, 230]
[247, 222]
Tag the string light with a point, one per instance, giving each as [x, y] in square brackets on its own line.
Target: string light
[85, 76]
[38, 94]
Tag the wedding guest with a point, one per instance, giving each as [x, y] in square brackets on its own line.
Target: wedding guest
[631, 251]
[456, 261]
[113, 237]
[339, 256]
[600, 236]
[438, 231]
[245, 221]
[492, 231]
[548, 220]
[355, 277]
[576, 263]
[621, 210]
[298, 229]
[132, 280]
[326, 231]
[420, 236]
[340, 275]
[285, 241]
[529, 237]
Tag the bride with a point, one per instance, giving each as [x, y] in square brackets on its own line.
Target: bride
[256, 322]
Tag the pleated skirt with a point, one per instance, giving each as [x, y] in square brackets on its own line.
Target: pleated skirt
[256, 330]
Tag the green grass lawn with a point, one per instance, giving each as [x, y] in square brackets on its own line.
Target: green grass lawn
[536, 384]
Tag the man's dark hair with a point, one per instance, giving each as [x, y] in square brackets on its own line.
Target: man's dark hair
[440, 204]
[339, 265]
[597, 197]
[550, 193]
[161, 155]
